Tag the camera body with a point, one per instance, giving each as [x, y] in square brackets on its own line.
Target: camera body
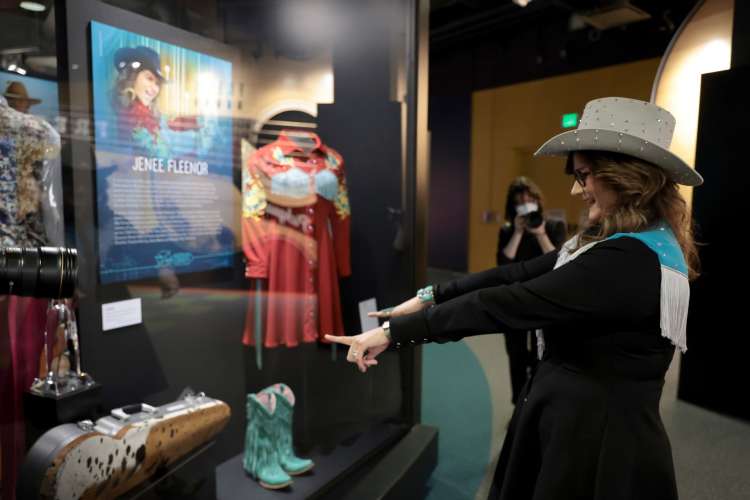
[531, 214]
[534, 219]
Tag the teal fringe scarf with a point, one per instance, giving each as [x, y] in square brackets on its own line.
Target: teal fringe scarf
[675, 289]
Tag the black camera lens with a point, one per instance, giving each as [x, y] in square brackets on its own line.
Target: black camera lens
[534, 220]
[45, 272]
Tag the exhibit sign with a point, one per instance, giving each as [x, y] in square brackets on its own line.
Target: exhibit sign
[163, 149]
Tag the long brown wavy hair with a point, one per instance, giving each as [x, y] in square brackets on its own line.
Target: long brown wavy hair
[645, 196]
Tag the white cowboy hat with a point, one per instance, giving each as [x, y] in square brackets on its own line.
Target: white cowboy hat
[628, 126]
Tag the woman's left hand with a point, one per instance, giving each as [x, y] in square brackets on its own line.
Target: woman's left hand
[363, 348]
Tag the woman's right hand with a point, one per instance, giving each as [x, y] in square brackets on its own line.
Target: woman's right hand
[410, 306]
[519, 224]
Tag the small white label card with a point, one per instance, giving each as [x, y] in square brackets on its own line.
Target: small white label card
[368, 306]
[121, 313]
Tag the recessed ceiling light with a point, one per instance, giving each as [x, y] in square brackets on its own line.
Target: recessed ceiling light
[33, 6]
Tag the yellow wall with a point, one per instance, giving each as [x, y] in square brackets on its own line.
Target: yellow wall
[510, 123]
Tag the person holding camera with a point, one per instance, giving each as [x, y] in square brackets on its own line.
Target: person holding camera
[525, 235]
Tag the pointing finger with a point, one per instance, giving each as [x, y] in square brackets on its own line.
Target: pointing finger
[340, 340]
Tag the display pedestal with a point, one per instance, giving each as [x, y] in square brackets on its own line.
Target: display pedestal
[43, 413]
[233, 483]
[403, 472]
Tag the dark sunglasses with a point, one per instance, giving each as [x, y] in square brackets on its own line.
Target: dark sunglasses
[581, 177]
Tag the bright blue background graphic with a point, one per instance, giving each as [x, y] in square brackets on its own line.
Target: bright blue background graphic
[117, 147]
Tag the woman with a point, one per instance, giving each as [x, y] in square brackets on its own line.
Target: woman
[612, 303]
[525, 235]
[137, 88]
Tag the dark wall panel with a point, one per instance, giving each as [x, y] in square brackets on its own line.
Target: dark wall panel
[715, 364]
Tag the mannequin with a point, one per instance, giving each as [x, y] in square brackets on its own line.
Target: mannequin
[30, 215]
[295, 227]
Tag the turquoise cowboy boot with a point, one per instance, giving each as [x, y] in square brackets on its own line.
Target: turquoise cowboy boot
[262, 459]
[291, 463]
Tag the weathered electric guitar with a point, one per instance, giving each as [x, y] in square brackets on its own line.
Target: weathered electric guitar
[114, 455]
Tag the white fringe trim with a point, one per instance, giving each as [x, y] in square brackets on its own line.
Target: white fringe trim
[564, 255]
[539, 343]
[675, 299]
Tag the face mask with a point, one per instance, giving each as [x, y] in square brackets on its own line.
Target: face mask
[527, 208]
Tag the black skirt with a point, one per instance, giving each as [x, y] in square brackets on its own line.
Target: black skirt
[584, 431]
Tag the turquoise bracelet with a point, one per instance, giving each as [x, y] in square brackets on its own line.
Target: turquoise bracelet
[426, 294]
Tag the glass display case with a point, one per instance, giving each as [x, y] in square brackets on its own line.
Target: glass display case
[238, 179]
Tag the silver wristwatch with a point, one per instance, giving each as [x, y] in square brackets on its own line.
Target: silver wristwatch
[387, 329]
